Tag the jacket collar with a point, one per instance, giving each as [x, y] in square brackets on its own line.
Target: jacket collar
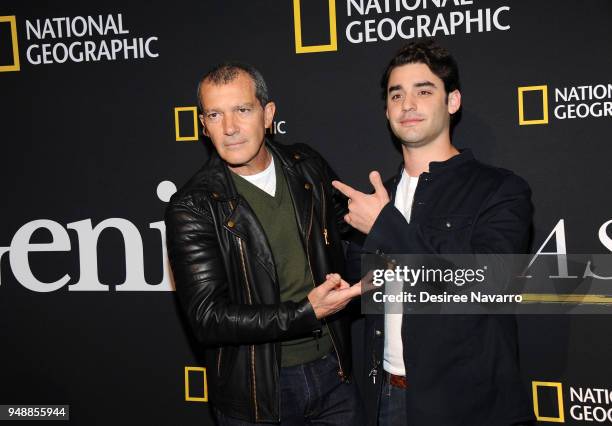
[216, 180]
[215, 175]
[465, 154]
[435, 167]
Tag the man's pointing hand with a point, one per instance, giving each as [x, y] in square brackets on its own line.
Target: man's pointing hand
[364, 208]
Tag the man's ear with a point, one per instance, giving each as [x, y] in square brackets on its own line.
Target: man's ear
[454, 101]
[204, 131]
[269, 111]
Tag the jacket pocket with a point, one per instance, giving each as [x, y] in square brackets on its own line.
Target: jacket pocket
[450, 223]
[449, 233]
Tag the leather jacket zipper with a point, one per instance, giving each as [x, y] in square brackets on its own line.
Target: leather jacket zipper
[331, 336]
[324, 221]
[251, 347]
[219, 362]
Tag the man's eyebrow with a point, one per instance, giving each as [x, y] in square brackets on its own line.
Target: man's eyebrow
[394, 88]
[425, 83]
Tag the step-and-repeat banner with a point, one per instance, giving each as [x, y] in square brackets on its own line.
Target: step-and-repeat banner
[99, 128]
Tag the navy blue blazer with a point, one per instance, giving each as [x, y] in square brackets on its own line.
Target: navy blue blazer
[461, 369]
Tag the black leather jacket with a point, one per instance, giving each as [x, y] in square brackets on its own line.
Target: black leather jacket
[226, 280]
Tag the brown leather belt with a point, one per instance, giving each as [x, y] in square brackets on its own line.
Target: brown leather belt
[397, 381]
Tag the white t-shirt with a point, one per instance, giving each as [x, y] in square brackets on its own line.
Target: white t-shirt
[393, 359]
[266, 180]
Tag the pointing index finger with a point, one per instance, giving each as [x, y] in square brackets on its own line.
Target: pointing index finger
[344, 188]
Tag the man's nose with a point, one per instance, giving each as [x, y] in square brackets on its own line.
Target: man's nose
[409, 103]
[229, 125]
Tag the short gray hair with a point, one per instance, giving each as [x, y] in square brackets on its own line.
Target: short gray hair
[226, 72]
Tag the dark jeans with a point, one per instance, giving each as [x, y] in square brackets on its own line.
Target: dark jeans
[312, 394]
[392, 408]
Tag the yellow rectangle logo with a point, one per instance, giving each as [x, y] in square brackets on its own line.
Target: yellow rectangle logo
[177, 127]
[297, 25]
[521, 92]
[15, 65]
[561, 417]
[188, 396]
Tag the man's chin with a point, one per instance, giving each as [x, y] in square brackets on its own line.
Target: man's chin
[411, 143]
[235, 162]
[234, 159]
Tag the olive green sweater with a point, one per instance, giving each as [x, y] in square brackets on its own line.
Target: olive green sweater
[278, 220]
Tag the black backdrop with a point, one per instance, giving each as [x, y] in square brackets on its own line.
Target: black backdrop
[86, 143]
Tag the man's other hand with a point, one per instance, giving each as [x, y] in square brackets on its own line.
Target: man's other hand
[332, 295]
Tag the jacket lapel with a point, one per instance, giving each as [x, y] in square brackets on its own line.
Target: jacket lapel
[301, 191]
[243, 223]
[301, 195]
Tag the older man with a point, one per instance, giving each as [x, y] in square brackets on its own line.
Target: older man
[249, 238]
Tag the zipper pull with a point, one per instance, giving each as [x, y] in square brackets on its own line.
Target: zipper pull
[373, 373]
[325, 236]
[317, 334]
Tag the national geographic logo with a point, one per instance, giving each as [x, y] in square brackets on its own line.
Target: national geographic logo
[391, 19]
[572, 102]
[9, 60]
[587, 404]
[297, 23]
[550, 410]
[72, 39]
[196, 384]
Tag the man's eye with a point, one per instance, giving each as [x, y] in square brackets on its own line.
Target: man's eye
[395, 97]
[424, 92]
[212, 115]
[244, 110]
